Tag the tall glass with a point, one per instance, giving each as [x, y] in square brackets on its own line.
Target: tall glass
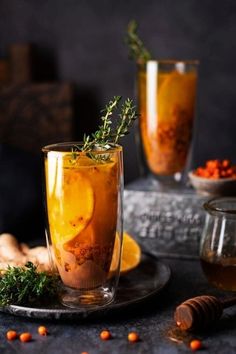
[166, 96]
[84, 221]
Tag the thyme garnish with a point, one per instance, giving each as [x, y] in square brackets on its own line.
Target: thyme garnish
[127, 117]
[103, 135]
[107, 134]
[137, 50]
[24, 285]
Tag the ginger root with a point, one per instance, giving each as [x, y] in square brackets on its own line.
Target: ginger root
[10, 248]
[14, 254]
[39, 255]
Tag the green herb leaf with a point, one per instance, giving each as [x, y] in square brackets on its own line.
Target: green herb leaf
[103, 135]
[24, 285]
[127, 117]
[108, 133]
[137, 50]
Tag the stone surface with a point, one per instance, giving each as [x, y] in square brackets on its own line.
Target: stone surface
[167, 222]
[152, 320]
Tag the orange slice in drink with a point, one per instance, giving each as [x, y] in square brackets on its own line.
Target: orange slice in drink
[131, 254]
[72, 210]
[176, 90]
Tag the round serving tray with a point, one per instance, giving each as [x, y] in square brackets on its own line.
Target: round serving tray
[147, 280]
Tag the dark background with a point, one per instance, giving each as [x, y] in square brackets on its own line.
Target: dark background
[83, 42]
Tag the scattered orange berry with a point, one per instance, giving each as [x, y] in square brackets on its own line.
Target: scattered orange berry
[105, 335]
[133, 337]
[25, 337]
[11, 335]
[195, 344]
[42, 330]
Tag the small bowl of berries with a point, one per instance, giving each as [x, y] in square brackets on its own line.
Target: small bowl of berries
[215, 178]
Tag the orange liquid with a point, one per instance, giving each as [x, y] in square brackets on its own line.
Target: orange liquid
[82, 202]
[221, 275]
[166, 130]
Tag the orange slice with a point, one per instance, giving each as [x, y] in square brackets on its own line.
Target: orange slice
[177, 90]
[71, 210]
[131, 254]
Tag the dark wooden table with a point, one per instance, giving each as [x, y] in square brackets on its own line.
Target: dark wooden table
[153, 319]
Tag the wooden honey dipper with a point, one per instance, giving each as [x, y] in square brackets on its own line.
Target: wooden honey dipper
[200, 311]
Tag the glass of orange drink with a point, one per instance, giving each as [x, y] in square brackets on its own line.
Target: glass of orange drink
[166, 95]
[83, 193]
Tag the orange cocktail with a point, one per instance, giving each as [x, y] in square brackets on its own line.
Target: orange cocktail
[83, 194]
[167, 93]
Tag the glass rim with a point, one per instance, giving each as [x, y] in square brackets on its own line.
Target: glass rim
[58, 148]
[208, 206]
[171, 61]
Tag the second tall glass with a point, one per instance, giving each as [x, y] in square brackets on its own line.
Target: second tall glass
[166, 96]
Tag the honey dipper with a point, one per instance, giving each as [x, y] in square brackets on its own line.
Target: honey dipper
[200, 311]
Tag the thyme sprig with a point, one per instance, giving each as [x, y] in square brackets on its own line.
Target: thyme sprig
[127, 116]
[103, 135]
[137, 50]
[24, 286]
[108, 133]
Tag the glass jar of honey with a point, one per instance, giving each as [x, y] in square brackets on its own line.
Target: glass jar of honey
[218, 243]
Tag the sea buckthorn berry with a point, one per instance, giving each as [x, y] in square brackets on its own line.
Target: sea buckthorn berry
[11, 335]
[133, 337]
[216, 169]
[225, 163]
[212, 164]
[105, 335]
[42, 330]
[25, 337]
[195, 344]
[229, 171]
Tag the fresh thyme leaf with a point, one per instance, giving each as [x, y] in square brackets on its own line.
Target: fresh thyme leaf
[99, 158]
[73, 155]
[24, 285]
[107, 134]
[127, 117]
[102, 136]
[137, 50]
